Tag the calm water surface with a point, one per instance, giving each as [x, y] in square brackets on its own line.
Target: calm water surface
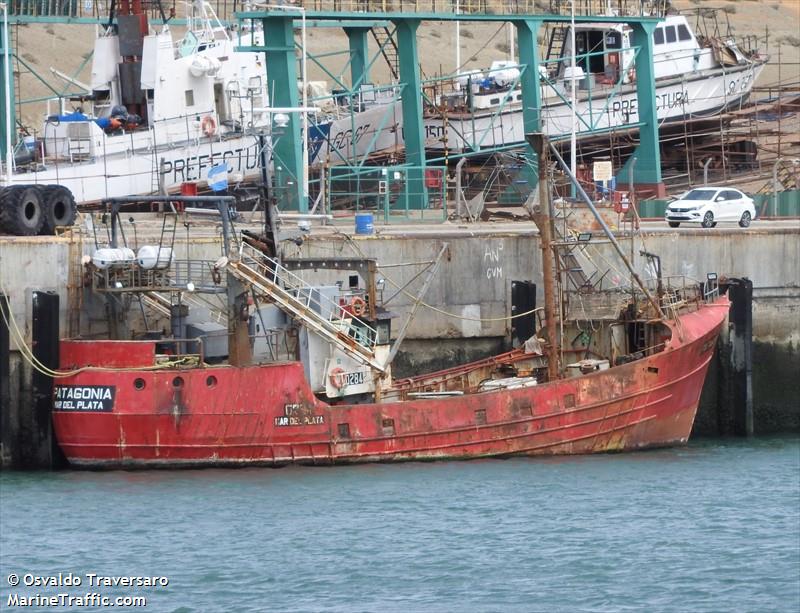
[711, 527]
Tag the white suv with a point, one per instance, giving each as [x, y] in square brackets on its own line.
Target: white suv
[708, 205]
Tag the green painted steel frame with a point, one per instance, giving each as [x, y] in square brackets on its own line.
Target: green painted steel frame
[359, 55]
[413, 133]
[370, 195]
[406, 24]
[527, 39]
[647, 169]
[289, 171]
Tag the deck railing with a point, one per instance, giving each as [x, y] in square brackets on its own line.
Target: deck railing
[304, 300]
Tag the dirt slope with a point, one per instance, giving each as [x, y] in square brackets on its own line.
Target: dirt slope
[66, 47]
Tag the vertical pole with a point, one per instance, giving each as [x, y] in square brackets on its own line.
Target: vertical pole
[458, 39]
[8, 116]
[239, 349]
[544, 222]
[741, 294]
[359, 57]
[281, 80]
[406, 32]
[44, 335]
[527, 32]
[573, 100]
[6, 458]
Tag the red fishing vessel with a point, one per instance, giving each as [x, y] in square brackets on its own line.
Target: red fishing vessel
[302, 373]
[268, 414]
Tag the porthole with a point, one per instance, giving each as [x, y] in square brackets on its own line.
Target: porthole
[138, 383]
[211, 381]
[177, 382]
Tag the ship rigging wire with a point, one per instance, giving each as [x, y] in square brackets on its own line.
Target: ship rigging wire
[36, 364]
[401, 289]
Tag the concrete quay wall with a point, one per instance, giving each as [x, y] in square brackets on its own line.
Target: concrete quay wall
[474, 281]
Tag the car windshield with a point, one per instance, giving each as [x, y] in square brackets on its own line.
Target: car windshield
[700, 194]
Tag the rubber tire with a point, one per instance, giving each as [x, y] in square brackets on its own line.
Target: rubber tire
[59, 208]
[708, 220]
[21, 211]
[744, 222]
[674, 224]
[714, 224]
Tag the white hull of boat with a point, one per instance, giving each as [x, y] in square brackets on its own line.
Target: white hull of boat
[140, 169]
[704, 95]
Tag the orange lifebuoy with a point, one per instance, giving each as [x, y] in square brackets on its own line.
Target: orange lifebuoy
[358, 306]
[208, 125]
[335, 377]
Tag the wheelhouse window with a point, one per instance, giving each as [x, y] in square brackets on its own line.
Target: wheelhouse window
[671, 34]
[683, 32]
[658, 36]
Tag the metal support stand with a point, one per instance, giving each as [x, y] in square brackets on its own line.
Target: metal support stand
[527, 32]
[359, 56]
[647, 174]
[406, 33]
[281, 79]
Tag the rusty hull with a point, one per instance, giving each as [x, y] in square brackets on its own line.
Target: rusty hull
[267, 414]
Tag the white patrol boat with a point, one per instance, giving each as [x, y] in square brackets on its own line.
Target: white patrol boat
[695, 77]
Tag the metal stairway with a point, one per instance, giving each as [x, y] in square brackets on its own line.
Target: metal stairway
[568, 262]
[157, 303]
[296, 297]
[571, 266]
[388, 49]
[789, 175]
[555, 46]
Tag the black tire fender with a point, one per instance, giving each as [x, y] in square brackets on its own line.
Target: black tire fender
[59, 208]
[21, 210]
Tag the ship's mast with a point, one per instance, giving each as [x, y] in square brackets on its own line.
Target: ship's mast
[544, 221]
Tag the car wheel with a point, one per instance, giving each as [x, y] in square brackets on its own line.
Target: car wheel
[674, 224]
[708, 220]
[745, 220]
[714, 224]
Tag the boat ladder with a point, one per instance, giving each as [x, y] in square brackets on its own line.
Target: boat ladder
[388, 48]
[296, 297]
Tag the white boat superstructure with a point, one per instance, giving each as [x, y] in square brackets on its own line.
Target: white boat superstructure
[160, 113]
[694, 78]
